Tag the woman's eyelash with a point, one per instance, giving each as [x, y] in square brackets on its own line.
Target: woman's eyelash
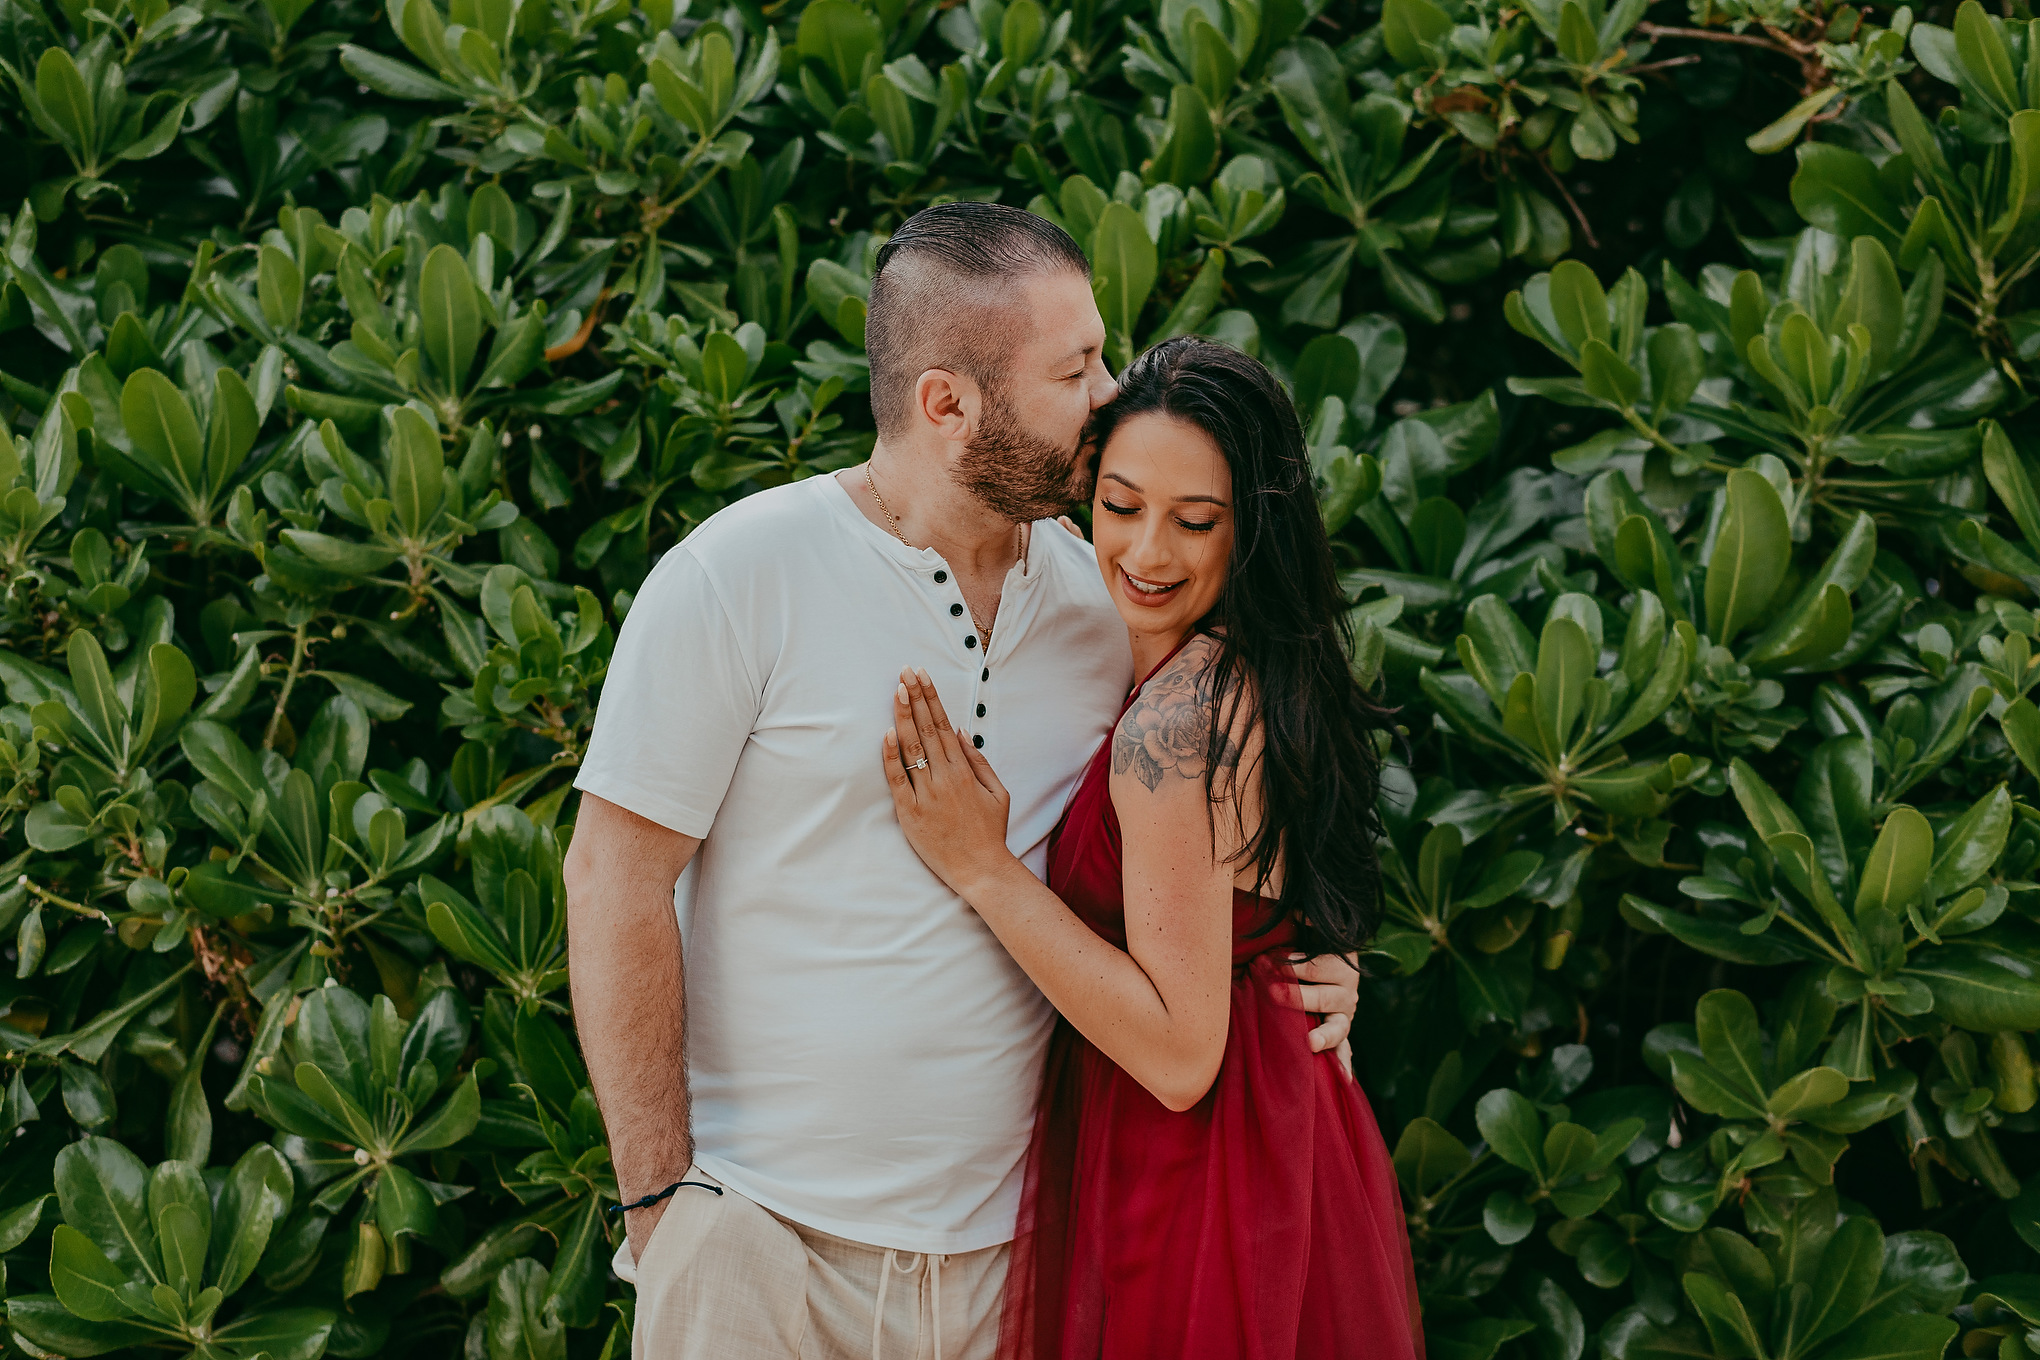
[1194, 526]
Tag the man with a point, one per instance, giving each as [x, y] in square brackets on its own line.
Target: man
[861, 1056]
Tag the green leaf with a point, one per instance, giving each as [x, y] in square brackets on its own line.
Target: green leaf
[88, 1283]
[235, 424]
[1677, 364]
[1971, 844]
[1565, 663]
[1409, 26]
[19, 1222]
[723, 364]
[1729, 1039]
[253, 1202]
[1908, 1336]
[1838, 191]
[1190, 152]
[1844, 1280]
[1751, 554]
[1803, 633]
[103, 1189]
[1507, 1218]
[2008, 476]
[340, 554]
[182, 1229]
[279, 287]
[397, 79]
[451, 315]
[1578, 303]
[1873, 299]
[1123, 263]
[1509, 1123]
[1608, 377]
[1985, 982]
[1899, 863]
[518, 1325]
[1427, 1156]
[2022, 729]
[44, 1320]
[284, 1333]
[417, 482]
[1809, 1090]
[1713, 937]
[1782, 131]
[1985, 60]
[454, 1120]
[159, 421]
[66, 101]
[1310, 86]
[843, 36]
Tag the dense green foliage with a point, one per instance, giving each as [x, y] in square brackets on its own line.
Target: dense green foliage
[1666, 370]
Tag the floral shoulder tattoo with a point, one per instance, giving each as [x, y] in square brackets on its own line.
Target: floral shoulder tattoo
[1168, 729]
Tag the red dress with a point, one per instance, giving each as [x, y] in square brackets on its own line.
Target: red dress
[1261, 1224]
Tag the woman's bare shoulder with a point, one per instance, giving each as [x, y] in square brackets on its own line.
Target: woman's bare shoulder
[1165, 736]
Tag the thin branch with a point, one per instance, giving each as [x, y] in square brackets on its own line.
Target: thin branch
[297, 660]
[1651, 66]
[1650, 30]
[1586, 227]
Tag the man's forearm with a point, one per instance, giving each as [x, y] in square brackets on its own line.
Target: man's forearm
[624, 962]
[625, 966]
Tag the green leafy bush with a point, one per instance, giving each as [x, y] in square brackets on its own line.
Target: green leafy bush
[1665, 371]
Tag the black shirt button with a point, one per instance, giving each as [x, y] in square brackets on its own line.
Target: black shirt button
[970, 641]
[981, 710]
[978, 742]
[940, 577]
[956, 611]
[987, 675]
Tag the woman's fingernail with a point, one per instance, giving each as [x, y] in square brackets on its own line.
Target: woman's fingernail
[903, 694]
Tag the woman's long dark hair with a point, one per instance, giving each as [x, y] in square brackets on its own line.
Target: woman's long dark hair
[1283, 643]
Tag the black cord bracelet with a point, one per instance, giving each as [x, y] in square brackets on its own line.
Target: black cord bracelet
[649, 1200]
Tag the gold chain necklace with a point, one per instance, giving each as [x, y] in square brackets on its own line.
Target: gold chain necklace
[1019, 548]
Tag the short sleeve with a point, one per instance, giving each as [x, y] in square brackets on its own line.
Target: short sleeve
[678, 703]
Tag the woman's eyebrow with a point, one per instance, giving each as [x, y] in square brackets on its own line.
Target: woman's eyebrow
[1180, 500]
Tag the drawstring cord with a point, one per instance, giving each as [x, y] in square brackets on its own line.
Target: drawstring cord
[886, 1268]
[878, 1308]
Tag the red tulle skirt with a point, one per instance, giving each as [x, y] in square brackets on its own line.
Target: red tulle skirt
[1262, 1224]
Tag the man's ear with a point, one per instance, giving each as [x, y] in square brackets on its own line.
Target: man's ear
[948, 403]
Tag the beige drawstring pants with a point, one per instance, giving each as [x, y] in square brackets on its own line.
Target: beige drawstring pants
[724, 1279]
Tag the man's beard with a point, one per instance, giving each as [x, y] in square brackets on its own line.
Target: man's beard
[1018, 475]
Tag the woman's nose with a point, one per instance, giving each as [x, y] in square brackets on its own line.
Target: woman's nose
[1151, 549]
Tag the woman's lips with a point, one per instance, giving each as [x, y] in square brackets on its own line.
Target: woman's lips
[1150, 598]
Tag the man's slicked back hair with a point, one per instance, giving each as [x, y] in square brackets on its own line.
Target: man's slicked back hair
[936, 297]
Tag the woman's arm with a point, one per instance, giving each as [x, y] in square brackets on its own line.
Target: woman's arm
[1159, 1009]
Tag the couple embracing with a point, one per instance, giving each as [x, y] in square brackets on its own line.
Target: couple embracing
[1014, 875]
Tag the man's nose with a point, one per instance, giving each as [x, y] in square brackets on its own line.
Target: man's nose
[1104, 389]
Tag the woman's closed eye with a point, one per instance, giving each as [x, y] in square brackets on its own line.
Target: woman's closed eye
[1195, 526]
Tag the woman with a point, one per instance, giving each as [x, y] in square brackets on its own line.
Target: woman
[1199, 1184]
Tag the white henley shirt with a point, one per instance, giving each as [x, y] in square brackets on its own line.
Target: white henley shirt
[863, 1054]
